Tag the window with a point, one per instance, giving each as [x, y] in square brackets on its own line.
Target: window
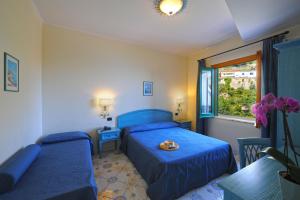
[206, 99]
[237, 86]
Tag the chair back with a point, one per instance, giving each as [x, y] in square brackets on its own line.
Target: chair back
[249, 149]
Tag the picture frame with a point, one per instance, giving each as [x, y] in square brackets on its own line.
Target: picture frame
[147, 88]
[11, 73]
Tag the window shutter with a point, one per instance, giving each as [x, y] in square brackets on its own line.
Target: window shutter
[207, 92]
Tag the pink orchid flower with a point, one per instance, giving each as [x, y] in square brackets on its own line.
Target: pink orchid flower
[269, 103]
[287, 104]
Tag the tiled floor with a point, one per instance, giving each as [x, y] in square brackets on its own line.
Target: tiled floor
[117, 179]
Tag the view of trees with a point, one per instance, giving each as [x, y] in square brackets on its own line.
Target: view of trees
[236, 101]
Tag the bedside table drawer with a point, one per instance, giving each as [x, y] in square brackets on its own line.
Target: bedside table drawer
[109, 136]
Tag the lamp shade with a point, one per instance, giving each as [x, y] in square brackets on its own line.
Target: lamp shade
[105, 102]
[170, 7]
[179, 100]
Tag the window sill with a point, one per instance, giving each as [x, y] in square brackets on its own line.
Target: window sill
[241, 120]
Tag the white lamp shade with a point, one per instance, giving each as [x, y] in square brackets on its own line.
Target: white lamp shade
[179, 100]
[170, 7]
[105, 102]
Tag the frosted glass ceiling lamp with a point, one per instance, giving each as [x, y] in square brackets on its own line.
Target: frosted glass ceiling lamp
[170, 7]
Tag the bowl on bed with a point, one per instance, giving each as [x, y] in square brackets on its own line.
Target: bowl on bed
[169, 145]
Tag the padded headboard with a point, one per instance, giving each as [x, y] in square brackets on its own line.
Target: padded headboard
[145, 116]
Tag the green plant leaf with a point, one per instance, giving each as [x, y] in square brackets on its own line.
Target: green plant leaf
[278, 156]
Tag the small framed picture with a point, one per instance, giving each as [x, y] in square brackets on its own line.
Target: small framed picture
[11, 73]
[148, 88]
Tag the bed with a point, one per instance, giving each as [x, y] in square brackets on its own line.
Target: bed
[62, 170]
[170, 174]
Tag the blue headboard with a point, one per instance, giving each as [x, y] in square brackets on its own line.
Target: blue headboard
[145, 116]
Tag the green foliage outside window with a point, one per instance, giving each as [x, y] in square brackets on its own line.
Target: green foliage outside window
[236, 101]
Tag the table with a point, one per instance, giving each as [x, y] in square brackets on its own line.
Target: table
[107, 136]
[258, 181]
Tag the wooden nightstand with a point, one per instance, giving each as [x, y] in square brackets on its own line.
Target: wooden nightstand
[186, 124]
[108, 136]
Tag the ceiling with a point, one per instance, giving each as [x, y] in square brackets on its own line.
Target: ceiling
[256, 18]
[201, 24]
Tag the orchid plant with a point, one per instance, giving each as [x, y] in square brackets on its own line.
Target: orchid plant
[285, 105]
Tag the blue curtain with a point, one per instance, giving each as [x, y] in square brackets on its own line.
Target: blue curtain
[270, 75]
[201, 123]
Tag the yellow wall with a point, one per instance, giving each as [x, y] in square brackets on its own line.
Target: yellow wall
[78, 67]
[20, 113]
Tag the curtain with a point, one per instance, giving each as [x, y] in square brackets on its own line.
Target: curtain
[201, 123]
[270, 72]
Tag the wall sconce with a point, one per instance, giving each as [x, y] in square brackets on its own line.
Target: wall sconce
[179, 102]
[104, 104]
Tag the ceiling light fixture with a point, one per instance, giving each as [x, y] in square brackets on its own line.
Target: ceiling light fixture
[170, 7]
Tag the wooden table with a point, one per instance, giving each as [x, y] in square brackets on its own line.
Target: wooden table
[258, 181]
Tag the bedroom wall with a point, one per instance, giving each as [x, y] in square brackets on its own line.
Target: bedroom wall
[20, 113]
[222, 128]
[78, 68]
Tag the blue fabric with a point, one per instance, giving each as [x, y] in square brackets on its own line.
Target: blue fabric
[143, 127]
[13, 169]
[62, 170]
[201, 123]
[170, 174]
[66, 136]
[270, 78]
[151, 126]
[63, 137]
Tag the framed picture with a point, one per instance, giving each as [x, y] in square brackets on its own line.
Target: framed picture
[148, 88]
[11, 73]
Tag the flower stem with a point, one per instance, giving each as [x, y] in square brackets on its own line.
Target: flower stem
[289, 137]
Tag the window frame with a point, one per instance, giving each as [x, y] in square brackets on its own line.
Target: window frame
[255, 57]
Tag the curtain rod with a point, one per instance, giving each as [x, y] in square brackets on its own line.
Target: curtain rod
[284, 33]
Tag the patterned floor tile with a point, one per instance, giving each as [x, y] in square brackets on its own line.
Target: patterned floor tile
[136, 193]
[108, 168]
[101, 184]
[129, 176]
[104, 196]
[115, 190]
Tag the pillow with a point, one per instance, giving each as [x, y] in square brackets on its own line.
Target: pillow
[151, 126]
[63, 137]
[12, 170]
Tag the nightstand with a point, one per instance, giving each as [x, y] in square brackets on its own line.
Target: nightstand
[108, 136]
[186, 124]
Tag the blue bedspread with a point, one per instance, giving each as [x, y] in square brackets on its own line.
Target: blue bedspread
[170, 174]
[62, 171]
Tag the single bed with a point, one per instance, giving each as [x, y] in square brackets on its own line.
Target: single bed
[62, 170]
[170, 174]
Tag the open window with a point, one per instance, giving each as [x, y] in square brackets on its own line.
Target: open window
[229, 89]
[207, 91]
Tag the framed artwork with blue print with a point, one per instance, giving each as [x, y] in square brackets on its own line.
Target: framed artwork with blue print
[148, 88]
[11, 73]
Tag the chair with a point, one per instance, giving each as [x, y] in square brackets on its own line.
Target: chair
[249, 149]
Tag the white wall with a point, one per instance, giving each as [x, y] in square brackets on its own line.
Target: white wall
[220, 128]
[20, 113]
[77, 68]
